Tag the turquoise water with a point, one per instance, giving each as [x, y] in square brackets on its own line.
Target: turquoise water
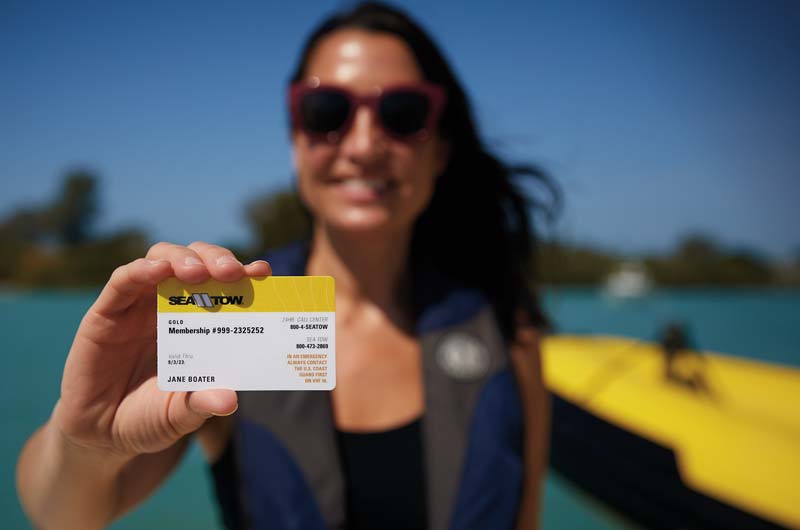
[37, 329]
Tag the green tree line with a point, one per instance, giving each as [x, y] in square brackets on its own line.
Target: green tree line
[57, 244]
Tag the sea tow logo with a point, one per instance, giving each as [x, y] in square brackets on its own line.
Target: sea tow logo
[205, 300]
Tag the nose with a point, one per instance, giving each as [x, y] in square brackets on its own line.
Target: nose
[365, 142]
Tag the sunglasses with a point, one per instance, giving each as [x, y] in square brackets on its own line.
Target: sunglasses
[403, 111]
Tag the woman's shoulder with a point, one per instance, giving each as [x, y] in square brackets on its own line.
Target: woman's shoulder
[289, 259]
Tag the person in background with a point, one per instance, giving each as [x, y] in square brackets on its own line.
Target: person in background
[683, 363]
[439, 418]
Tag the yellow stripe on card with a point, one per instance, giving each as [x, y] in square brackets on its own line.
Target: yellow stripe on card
[271, 294]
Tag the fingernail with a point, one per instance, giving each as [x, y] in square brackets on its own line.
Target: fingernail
[259, 261]
[224, 260]
[228, 414]
[155, 261]
[192, 261]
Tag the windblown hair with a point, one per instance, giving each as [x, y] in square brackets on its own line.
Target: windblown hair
[477, 227]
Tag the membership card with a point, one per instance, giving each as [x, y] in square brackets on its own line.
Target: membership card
[273, 333]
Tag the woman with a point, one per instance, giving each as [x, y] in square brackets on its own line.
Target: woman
[439, 416]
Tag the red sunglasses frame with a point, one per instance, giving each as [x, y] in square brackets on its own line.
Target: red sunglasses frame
[435, 94]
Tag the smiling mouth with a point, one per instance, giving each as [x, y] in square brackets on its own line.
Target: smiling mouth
[365, 187]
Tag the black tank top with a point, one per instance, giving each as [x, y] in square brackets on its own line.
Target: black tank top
[384, 477]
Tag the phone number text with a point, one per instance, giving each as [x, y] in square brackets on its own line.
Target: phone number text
[237, 330]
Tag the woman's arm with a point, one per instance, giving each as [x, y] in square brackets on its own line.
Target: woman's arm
[65, 486]
[526, 358]
[62, 485]
[114, 436]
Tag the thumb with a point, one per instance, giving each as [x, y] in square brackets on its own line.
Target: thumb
[214, 402]
[190, 412]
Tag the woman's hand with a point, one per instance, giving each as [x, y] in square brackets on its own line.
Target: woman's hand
[113, 435]
[109, 398]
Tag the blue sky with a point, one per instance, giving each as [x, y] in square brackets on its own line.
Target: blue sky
[657, 118]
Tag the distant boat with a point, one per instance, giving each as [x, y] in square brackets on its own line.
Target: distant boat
[630, 280]
[668, 456]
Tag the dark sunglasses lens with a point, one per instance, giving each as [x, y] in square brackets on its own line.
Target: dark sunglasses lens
[404, 112]
[324, 111]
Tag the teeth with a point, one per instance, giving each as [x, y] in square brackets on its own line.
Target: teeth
[373, 184]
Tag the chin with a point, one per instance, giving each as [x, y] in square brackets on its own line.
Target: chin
[366, 221]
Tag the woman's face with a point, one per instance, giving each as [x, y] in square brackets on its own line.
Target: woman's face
[366, 181]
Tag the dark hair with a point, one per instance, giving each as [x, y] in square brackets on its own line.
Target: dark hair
[477, 227]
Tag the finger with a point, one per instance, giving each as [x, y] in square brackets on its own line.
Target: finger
[186, 263]
[220, 261]
[258, 268]
[189, 410]
[127, 283]
[215, 402]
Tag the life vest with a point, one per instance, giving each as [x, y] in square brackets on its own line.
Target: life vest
[288, 469]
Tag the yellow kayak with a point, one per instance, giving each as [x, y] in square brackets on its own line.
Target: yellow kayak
[715, 446]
